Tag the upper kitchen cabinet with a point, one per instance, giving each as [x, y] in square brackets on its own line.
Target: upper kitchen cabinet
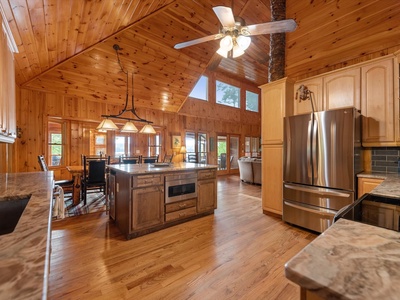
[378, 109]
[333, 90]
[342, 89]
[8, 128]
[315, 86]
[276, 103]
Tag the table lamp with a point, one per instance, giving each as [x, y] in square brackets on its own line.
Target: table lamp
[183, 152]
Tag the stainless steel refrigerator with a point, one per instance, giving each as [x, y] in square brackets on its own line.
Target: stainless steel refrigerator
[322, 155]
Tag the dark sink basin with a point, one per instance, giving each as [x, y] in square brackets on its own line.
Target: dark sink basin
[11, 209]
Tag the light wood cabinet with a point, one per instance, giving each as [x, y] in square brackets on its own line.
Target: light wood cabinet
[8, 128]
[342, 89]
[277, 102]
[378, 103]
[366, 185]
[316, 86]
[274, 108]
[272, 178]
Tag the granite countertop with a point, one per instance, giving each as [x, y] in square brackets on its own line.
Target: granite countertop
[350, 260]
[25, 253]
[390, 186]
[137, 169]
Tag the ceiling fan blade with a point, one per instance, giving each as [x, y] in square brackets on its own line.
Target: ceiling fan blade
[198, 41]
[225, 16]
[272, 27]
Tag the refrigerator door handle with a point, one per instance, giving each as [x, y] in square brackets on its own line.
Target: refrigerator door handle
[317, 191]
[314, 150]
[309, 150]
[319, 210]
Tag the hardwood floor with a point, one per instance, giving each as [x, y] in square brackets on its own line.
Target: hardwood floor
[237, 253]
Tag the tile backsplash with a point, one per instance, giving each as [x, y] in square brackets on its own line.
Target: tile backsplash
[385, 159]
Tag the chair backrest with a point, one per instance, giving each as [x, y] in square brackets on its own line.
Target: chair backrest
[168, 157]
[130, 159]
[150, 159]
[192, 158]
[42, 163]
[94, 168]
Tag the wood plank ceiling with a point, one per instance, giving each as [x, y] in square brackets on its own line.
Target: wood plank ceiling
[67, 46]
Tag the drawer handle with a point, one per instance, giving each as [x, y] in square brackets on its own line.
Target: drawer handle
[182, 215]
[182, 205]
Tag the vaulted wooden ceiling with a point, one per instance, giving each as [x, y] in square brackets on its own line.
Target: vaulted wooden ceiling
[67, 46]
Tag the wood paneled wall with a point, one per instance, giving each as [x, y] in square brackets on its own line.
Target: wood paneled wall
[34, 108]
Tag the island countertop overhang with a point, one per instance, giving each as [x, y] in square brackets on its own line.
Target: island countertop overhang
[138, 169]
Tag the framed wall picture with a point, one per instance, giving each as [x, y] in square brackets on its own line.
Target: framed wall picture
[176, 141]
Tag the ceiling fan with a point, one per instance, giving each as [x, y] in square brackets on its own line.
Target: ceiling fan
[235, 35]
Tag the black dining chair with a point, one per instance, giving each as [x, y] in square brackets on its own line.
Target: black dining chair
[150, 159]
[130, 159]
[94, 175]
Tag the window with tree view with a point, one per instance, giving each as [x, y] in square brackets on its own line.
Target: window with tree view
[227, 94]
[55, 143]
[251, 101]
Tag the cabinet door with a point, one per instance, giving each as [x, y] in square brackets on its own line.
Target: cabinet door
[206, 195]
[147, 207]
[365, 185]
[342, 89]
[377, 103]
[315, 86]
[272, 179]
[276, 102]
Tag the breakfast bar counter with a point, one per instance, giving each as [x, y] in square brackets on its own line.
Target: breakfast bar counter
[25, 252]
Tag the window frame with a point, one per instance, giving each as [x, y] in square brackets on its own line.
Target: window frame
[62, 144]
[226, 103]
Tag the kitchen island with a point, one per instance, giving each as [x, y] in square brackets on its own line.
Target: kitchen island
[148, 197]
[25, 252]
[351, 260]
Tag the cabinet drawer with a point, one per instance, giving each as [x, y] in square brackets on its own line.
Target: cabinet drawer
[180, 214]
[146, 180]
[207, 174]
[180, 205]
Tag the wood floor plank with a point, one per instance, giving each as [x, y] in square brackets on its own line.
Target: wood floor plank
[237, 253]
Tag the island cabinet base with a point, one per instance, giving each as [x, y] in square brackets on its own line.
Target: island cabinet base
[144, 202]
[308, 295]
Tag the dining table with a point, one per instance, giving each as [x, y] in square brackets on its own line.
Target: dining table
[76, 172]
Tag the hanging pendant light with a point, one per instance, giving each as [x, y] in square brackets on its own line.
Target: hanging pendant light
[129, 127]
[108, 124]
[147, 129]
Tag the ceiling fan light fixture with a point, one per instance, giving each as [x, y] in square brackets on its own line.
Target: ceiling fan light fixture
[129, 127]
[243, 42]
[237, 51]
[107, 124]
[147, 129]
[226, 43]
[222, 52]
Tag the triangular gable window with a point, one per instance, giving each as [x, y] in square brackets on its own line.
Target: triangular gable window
[200, 90]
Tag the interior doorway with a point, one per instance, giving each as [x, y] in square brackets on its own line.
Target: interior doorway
[228, 153]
